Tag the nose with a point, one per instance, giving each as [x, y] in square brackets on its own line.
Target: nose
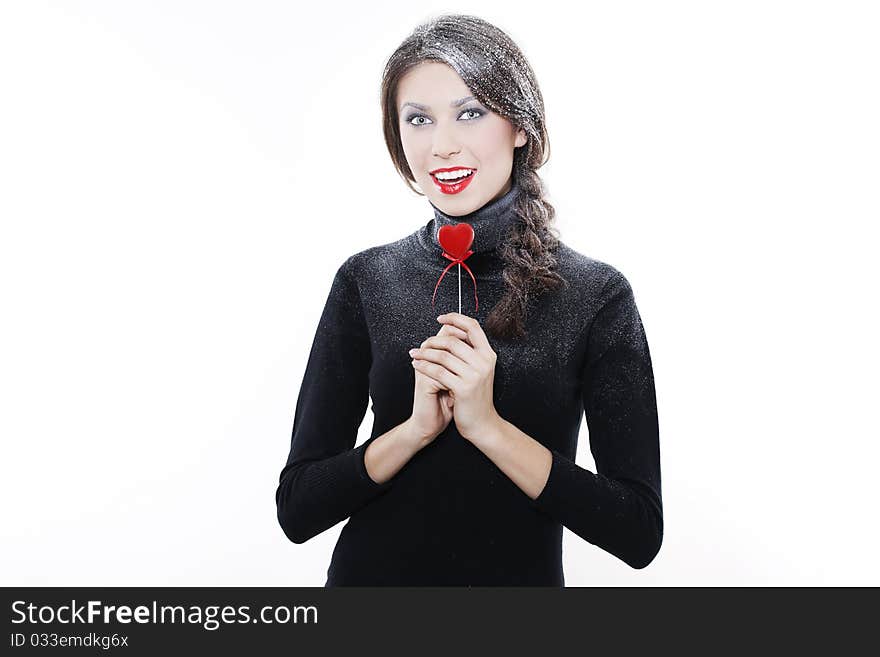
[444, 144]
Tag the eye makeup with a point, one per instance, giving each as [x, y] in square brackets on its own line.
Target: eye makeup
[476, 110]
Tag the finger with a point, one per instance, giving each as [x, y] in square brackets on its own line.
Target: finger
[455, 346]
[442, 357]
[438, 373]
[471, 326]
[432, 385]
[449, 329]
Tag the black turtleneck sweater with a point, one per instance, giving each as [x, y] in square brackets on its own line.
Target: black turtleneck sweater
[450, 516]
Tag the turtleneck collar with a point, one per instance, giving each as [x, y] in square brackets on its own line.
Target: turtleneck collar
[491, 223]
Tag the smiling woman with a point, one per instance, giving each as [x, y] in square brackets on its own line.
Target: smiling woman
[468, 476]
[454, 148]
[484, 112]
[434, 149]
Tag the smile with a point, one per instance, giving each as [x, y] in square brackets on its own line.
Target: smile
[456, 179]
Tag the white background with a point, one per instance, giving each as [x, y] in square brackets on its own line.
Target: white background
[179, 181]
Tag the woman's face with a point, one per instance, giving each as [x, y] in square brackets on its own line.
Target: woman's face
[442, 126]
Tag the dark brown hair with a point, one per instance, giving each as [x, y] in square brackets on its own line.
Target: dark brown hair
[498, 75]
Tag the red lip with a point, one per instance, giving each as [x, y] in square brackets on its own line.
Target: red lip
[453, 188]
[448, 169]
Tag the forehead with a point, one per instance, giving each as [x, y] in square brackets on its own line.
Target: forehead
[431, 83]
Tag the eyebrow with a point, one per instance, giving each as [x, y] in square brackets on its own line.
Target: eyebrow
[425, 108]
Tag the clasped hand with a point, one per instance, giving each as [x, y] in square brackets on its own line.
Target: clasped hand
[462, 362]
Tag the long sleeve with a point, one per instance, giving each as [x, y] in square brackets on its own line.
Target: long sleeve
[325, 479]
[618, 509]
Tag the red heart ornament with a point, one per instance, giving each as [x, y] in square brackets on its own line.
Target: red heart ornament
[456, 242]
[457, 239]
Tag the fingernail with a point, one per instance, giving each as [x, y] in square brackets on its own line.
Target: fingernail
[412, 351]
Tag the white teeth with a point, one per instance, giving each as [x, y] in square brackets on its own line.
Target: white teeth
[453, 175]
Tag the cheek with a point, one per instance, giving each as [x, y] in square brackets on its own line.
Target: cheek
[411, 158]
[407, 146]
[493, 143]
[414, 147]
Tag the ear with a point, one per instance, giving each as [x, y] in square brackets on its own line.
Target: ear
[521, 139]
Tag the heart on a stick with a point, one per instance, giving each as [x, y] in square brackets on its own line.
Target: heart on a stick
[457, 239]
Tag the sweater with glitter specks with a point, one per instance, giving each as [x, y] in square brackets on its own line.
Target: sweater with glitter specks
[450, 516]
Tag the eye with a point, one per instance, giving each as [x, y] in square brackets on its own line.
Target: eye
[412, 117]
